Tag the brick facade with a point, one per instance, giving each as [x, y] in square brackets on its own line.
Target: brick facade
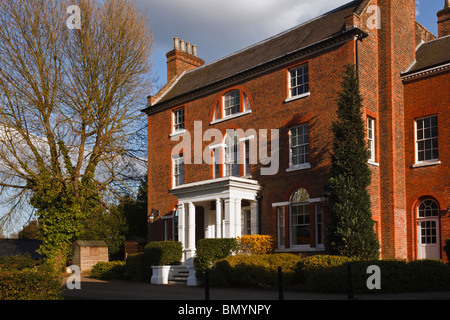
[382, 54]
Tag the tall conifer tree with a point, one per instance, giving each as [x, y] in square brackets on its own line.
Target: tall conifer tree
[350, 225]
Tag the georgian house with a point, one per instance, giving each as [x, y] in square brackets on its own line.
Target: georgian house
[242, 145]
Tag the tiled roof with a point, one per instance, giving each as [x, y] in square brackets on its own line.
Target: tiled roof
[293, 40]
[431, 54]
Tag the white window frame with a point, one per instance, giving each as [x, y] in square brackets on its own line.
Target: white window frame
[318, 210]
[433, 160]
[232, 164]
[281, 227]
[371, 131]
[298, 166]
[226, 100]
[178, 127]
[176, 173]
[291, 88]
[291, 225]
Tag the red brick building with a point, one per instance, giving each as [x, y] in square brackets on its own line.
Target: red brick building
[207, 181]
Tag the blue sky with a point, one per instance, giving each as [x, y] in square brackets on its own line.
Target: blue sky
[220, 27]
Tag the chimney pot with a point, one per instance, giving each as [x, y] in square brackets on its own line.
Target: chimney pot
[176, 43]
[183, 46]
[194, 50]
[188, 48]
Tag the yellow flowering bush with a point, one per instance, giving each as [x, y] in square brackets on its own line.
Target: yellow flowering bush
[255, 244]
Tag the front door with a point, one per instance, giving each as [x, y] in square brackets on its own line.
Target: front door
[428, 243]
[428, 239]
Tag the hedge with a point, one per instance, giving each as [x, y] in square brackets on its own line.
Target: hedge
[136, 268]
[396, 276]
[108, 270]
[210, 250]
[255, 270]
[163, 253]
[30, 284]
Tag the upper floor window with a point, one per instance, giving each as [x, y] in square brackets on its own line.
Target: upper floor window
[299, 147]
[371, 138]
[178, 170]
[178, 120]
[298, 81]
[232, 156]
[232, 104]
[427, 139]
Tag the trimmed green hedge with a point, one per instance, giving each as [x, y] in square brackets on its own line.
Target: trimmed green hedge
[108, 270]
[138, 266]
[327, 273]
[18, 262]
[136, 269]
[255, 270]
[396, 276]
[30, 284]
[163, 253]
[210, 250]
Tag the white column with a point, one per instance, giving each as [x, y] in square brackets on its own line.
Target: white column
[182, 224]
[191, 227]
[229, 224]
[237, 217]
[218, 218]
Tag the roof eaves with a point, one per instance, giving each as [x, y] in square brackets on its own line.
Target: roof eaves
[322, 44]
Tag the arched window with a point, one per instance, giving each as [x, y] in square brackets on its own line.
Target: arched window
[300, 218]
[428, 208]
[233, 103]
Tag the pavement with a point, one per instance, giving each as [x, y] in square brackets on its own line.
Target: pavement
[92, 289]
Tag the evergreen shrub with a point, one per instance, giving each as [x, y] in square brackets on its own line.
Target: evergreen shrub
[255, 270]
[108, 270]
[163, 253]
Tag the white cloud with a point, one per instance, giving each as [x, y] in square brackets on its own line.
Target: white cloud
[220, 27]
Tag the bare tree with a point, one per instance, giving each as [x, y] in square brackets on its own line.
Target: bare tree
[70, 100]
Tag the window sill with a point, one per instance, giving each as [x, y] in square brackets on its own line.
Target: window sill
[233, 116]
[373, 163]
[299, 167]
[426, 164]
[177, 133]
[300, 96]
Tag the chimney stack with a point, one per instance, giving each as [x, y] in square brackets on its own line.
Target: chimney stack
[444, 20]
[182, 58]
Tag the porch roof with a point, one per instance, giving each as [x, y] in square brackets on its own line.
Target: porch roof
[220, 188]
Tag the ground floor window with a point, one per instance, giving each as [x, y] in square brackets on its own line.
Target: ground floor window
[300, 218]
[300, 225]
[300, 222]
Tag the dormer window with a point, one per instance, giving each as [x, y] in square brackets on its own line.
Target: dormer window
[233, 103]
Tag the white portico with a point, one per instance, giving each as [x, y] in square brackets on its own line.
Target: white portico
[220, 208]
